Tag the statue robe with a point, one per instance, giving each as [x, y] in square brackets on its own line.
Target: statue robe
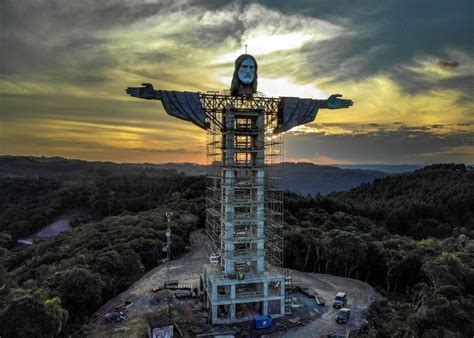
[187, 106]
[294, 112]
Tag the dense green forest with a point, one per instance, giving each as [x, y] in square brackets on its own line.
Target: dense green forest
[116, 237]
[409, 236]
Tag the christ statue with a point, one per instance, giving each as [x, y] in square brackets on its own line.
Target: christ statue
[291, 111]
[243, 205]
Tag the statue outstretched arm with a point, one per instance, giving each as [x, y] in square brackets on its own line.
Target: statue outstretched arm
[147, 92]
[183, 105]
[295, 111]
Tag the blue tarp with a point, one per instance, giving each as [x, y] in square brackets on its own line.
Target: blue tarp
[263, 322]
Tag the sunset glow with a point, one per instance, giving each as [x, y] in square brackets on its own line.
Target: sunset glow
[62, 84]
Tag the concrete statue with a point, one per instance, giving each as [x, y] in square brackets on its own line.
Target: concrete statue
[244, 205]
[293, 111]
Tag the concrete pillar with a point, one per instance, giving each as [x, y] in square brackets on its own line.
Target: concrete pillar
[213, 292]
[214, 314]
[282, 294]
[282, 288]
[232, 311]
[265, 308]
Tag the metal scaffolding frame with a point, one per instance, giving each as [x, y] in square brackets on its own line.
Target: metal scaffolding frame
[273, 195]
[215, 104]
[244, 207]
[214, 187]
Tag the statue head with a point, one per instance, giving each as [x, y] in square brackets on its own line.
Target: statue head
[244, 80]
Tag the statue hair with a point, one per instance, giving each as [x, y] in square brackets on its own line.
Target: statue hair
[237, 88]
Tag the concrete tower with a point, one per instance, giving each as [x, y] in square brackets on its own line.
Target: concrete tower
[239, 286]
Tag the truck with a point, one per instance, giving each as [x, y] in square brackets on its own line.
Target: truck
[340, 300]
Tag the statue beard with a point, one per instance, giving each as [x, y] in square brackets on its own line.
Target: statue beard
[238, 88]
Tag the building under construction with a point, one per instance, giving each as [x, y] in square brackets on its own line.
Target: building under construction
[244, 211]
[244, 201]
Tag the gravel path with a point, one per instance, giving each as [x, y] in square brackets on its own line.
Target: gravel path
[187, 269]
[359, 295]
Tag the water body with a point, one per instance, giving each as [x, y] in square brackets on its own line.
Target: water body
[54, 228]
[51, 230]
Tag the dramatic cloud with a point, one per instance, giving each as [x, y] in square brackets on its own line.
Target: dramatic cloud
[382, 144]
[409, 68]
[447, 64]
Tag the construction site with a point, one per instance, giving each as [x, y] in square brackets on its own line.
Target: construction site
[310, 313]
[233, 277]
[236, 286]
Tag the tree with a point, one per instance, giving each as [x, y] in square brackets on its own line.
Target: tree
[31, 315]
[79, 289]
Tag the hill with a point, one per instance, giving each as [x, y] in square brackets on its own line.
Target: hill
[309, 178]
[385, 168]
[432, 201]
[31, 166]
[409, 236]
[301, 178]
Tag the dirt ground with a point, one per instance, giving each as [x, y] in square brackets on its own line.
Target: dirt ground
[359, 295]
[186, 269]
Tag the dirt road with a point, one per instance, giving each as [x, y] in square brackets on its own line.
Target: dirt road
[359, 295]
[187, 268]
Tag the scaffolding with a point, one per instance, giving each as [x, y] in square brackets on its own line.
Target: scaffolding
[245, 194]
[214, 187]
[273, 197]
[244, 208]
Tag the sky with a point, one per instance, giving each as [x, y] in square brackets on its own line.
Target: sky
[408, 66]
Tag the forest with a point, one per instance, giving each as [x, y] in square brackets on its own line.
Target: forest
[410, 236]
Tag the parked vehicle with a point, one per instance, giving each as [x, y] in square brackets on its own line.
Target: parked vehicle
[343, 315]
[340, 300]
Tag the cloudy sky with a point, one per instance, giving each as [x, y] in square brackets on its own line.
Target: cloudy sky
[408, 66]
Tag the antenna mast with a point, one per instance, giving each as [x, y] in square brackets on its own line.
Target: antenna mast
[168, 254]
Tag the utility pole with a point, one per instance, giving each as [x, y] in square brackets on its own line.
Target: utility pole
[168, 254]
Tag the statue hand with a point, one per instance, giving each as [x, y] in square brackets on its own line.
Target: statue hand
[147, 92]
[334, 103]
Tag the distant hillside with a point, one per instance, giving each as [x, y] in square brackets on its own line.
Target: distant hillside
[301, 178]
[386, 168]
[410, 236]
[308, 178]
[428, 202]
[30, 166]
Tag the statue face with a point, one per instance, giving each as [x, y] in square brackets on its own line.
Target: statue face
[246, 71]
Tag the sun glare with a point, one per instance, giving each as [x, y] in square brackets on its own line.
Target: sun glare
[260, 44]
